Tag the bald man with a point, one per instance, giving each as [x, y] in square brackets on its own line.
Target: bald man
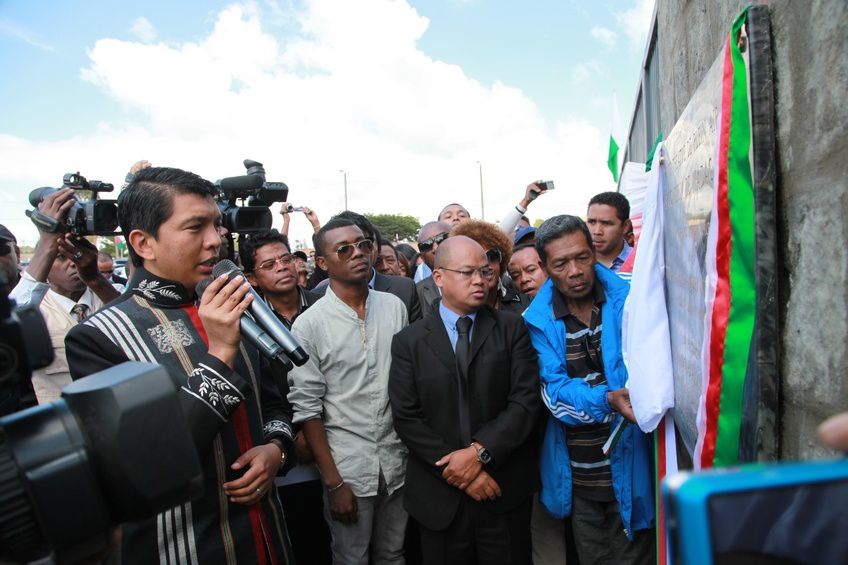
[464, 394]
[453, 214]
[429, 238]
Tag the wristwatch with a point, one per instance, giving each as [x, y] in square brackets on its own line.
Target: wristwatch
[282, 447]
[483, 455]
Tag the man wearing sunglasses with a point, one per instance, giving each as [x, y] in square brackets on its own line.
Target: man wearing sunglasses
[464, 393]
[575, 324]
[340, 398]
[401, 287]
[429, 238]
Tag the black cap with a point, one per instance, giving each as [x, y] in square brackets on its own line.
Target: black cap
[6, 235]
[301, 255]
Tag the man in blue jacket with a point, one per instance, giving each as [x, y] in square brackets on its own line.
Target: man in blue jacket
[575, 326]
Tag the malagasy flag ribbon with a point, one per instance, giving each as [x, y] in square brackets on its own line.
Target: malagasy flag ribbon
[731, 294]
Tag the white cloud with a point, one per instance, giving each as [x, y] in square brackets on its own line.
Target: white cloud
[604, 35]
[583, 73]
[143, 29]
[636, 21]
[351, 91]
[18, 32]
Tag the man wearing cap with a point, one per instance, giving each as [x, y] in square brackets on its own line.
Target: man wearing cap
[10, 257]
[301, 264]
[62, 280]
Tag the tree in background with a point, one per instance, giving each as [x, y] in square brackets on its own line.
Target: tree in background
[107, 244]
[395, 226]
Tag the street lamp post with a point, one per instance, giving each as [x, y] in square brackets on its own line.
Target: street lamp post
[482, 207]
[344, 173]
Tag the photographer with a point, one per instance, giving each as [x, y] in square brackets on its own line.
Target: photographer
[73, 290]
[241, 428]
[513, 218]
[307, 212]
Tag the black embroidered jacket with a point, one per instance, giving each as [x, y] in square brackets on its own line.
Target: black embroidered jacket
[229, 411]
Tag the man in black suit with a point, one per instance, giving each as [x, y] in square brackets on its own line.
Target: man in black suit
[402, 287]
[465, 401]
[429, 238]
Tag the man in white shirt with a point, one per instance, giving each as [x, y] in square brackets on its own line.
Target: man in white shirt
[340, 396]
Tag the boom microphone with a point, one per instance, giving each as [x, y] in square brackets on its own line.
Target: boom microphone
[265, 317]
[254, 334]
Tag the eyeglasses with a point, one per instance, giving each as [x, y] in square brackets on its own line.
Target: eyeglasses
[345, 251]
[282, 260]
[485, 272]
[494, 255]
[427, 244]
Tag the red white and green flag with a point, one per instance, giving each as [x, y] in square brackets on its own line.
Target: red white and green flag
[731, 294]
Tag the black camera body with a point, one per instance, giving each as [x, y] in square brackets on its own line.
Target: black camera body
[88, 216]
[116, 447]
[258, 193]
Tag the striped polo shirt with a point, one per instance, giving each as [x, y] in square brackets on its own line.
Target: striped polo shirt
[590, 469]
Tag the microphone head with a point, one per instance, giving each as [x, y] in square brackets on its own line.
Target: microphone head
[201, 287]
[225, 267]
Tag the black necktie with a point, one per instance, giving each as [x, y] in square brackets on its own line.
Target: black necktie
[463, 355]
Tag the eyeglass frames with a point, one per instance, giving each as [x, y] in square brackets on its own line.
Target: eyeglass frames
[345, 251]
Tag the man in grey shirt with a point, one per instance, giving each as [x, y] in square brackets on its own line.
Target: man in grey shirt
[341, 397]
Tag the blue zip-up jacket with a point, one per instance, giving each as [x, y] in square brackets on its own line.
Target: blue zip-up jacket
[573, 402]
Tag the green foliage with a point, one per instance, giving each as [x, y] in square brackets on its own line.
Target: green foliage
[107, 244]
[395, 225]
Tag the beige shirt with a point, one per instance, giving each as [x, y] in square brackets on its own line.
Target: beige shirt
[345, 382]
[56, 310]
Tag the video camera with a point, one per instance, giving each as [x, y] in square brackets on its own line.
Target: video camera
[88, 215]
[255, 217]
[72, 470]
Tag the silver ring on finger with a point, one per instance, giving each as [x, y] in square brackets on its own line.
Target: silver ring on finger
[78, 255]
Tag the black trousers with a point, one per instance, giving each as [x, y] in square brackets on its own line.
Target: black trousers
[479, 536]
[303, 505]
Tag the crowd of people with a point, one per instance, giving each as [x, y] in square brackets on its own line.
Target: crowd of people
[454, 408]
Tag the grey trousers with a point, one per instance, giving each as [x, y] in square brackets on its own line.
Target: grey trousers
[600, 538]
[547, 535]
[380, 529]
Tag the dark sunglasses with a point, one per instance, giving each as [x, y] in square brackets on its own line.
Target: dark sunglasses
[5, 248]
[427, 244]
[345, 251]
[494, 255]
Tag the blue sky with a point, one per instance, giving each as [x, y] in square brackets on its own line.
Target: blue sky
[416, 90]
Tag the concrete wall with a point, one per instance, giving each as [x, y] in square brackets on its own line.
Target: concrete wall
[810, 49]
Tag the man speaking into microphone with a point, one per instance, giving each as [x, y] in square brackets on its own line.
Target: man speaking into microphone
[241, 425]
